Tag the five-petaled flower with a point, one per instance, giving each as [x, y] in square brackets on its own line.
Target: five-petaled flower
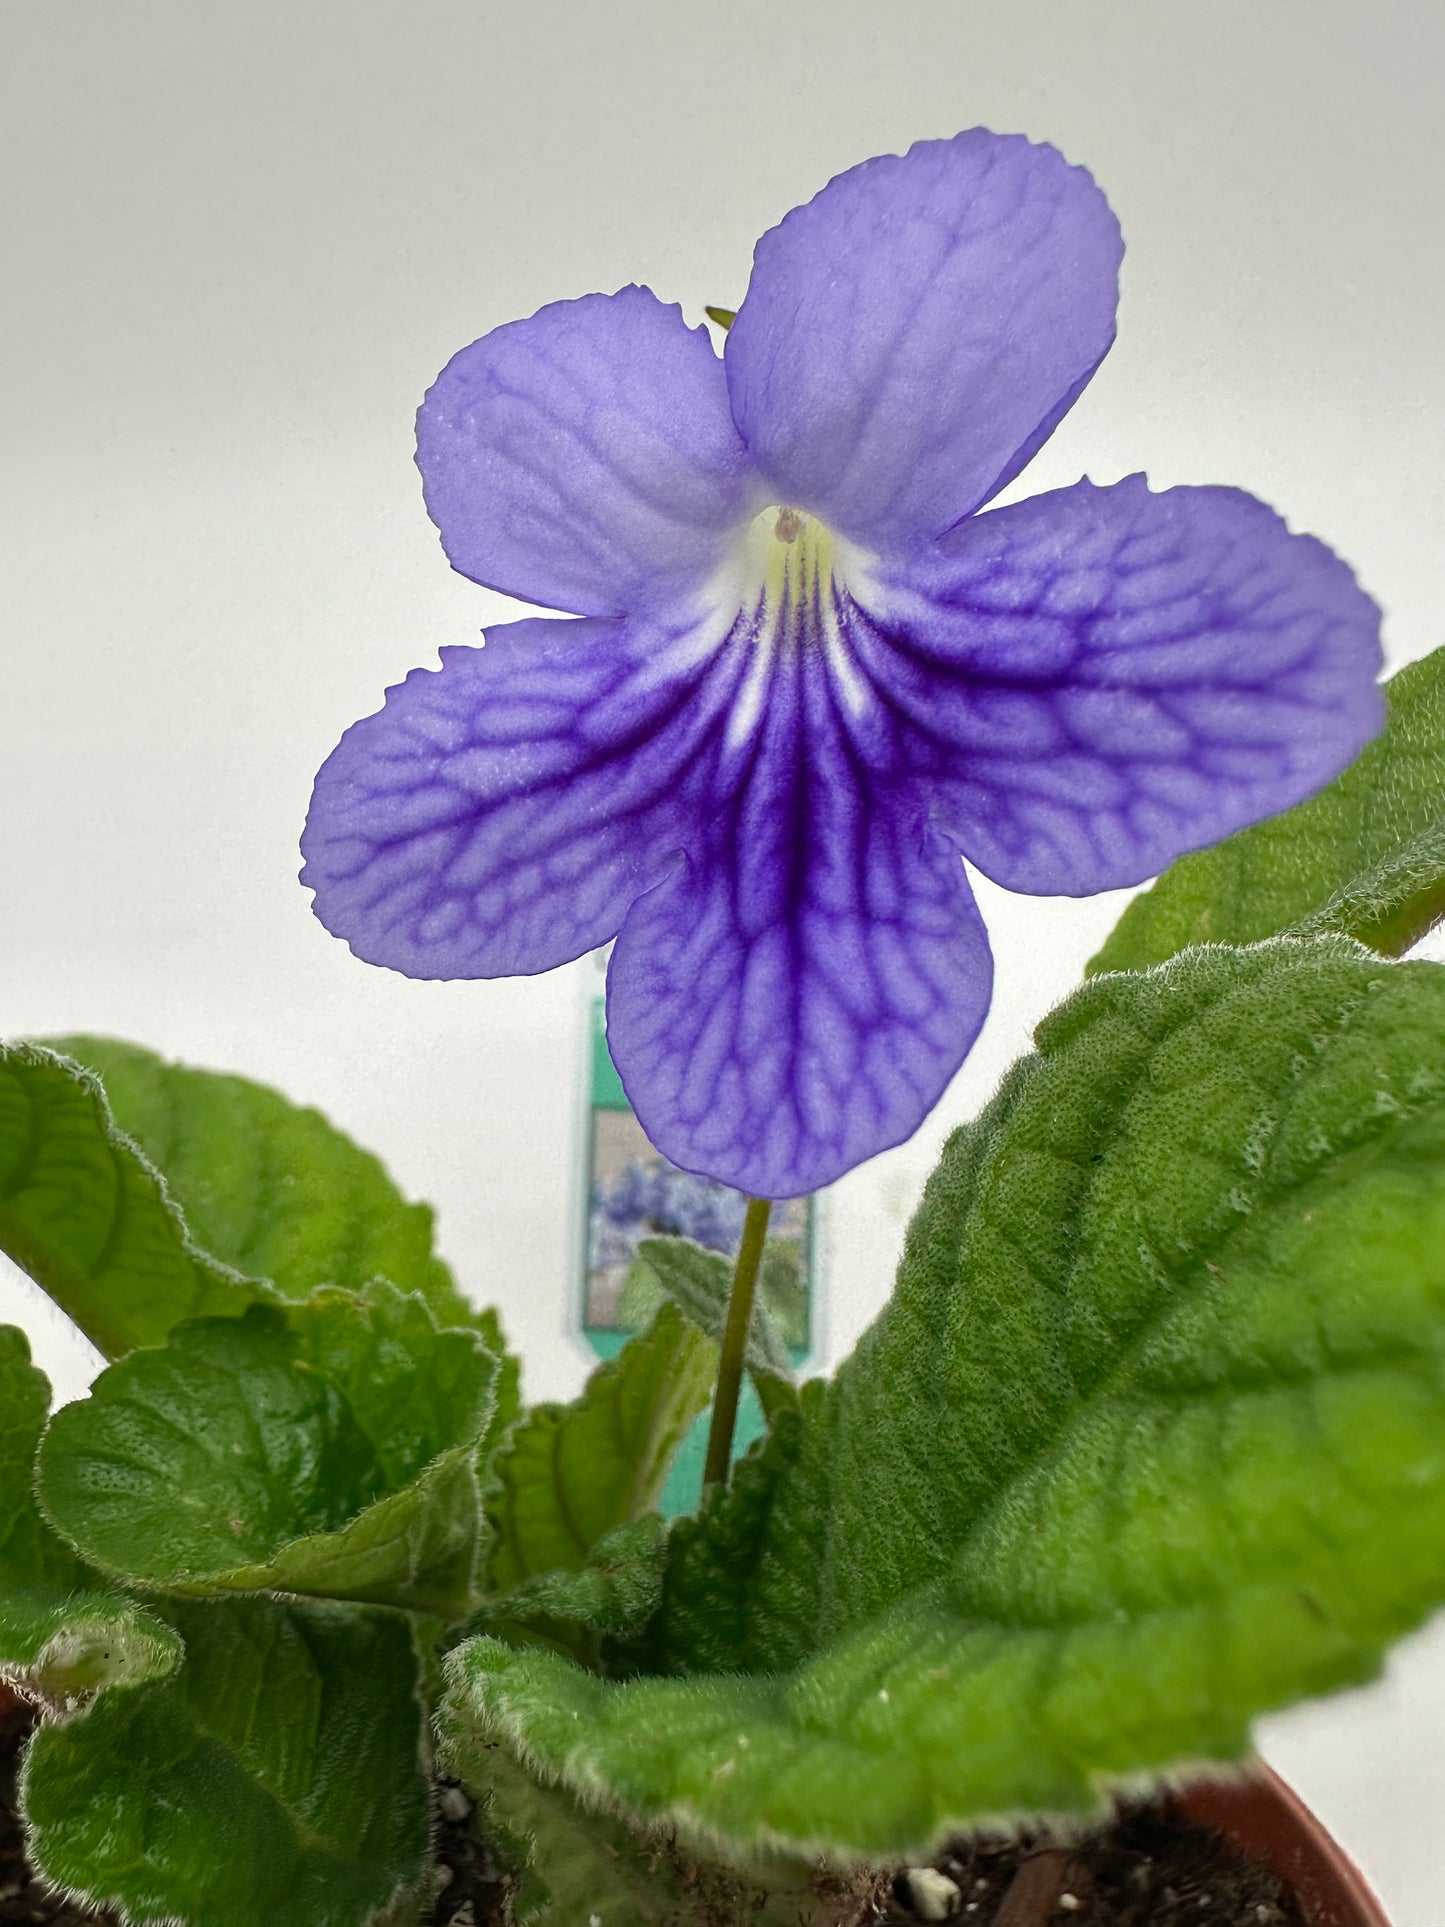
[808, 679]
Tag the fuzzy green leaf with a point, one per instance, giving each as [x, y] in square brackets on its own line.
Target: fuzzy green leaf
[615, 1593]
[783, 1287]
[274, 1781]
[568, 1864]
[1365, 857]
[328, 1449]
[1391, 905]
[1150, 1439]
[572, 1864]
[699, 1283]
[64, 1630]
[268, 1187]
[88, 1217]
[574, 1472]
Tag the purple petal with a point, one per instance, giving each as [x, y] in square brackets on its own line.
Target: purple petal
[802, 968]
[797, 996]
[912, 335]
[585, 459]
[498, 816]
[1097, 680]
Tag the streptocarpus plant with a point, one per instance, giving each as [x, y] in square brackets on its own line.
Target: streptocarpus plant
[1150, 1437]
[1147, 1441]
[807, 674]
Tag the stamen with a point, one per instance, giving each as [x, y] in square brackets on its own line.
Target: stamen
[786, 557]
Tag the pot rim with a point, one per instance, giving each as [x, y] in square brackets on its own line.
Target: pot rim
[1265, 1818]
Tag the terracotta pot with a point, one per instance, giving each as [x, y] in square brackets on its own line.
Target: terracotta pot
[1271, 1824]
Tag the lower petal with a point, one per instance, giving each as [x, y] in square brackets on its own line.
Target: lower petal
[774, 1031]
[498, 816]
[1097, 680]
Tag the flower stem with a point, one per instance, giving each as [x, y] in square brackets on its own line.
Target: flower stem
[735, 1340]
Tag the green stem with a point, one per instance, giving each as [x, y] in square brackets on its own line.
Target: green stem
[735, 1341]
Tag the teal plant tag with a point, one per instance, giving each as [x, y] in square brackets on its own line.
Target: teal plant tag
[631, 1195]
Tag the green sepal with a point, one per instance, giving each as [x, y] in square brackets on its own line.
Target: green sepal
[89, 1218]
[330, 1448]
[275, 1780]
[269, 1188]
[1365, 857]
[1150, 1440]
[65, 1631]
[572, 1473]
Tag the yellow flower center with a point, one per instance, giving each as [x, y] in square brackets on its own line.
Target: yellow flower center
[789, 564]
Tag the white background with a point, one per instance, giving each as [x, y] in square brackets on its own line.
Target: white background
[243, 239]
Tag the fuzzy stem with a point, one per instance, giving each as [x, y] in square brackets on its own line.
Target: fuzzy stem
[735, 1340]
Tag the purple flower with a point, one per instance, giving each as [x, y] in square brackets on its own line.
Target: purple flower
[808, 678]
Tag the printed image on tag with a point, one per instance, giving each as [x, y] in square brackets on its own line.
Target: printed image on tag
[631, 1193]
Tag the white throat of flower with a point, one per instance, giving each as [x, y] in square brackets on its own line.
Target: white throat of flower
[786, 561]
[783, 591]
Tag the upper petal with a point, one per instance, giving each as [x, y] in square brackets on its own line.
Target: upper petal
[912, 334]
[1099, 679]
[498, 816]
[585, 459]
[796, 997]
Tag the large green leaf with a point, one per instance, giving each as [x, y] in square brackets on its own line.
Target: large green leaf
[1151, 1438]
[274, 1781]
[574, 1472]
[88, 1217]
[64, 1631]
[330, 1448]
[269, 1188]
[1365, 857]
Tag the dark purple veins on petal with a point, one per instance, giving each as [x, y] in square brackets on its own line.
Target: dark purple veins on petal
[498, 817]
[768, 812]
[802, 967]
[1100, 679]
[796, 997]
